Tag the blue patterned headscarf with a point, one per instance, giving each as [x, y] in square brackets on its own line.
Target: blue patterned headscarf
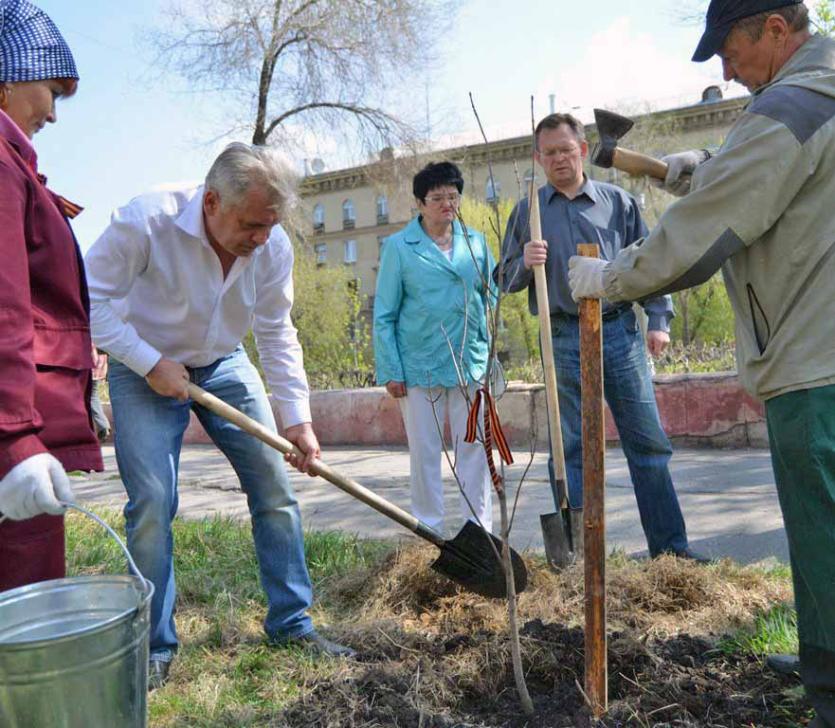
[31, 47]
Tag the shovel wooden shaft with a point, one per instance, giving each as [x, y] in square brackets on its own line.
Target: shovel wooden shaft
[591, 388]
[275, 441]
[637, 164]
[548, 367]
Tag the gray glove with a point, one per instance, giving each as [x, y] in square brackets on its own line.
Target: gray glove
[35, 486]
[680, 168]
[585, 277]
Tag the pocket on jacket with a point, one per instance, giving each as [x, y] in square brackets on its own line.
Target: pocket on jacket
[759, 321]
[64, 348]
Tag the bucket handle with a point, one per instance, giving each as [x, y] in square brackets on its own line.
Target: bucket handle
[90, 514]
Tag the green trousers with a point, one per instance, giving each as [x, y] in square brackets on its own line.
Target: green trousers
[801, 433]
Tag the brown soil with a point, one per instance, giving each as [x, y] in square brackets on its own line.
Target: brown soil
[433, 657]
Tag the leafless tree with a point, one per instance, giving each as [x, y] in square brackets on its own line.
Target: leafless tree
[325, 65]
[822, 13]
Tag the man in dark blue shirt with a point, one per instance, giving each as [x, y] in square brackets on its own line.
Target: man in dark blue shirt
[575, 209]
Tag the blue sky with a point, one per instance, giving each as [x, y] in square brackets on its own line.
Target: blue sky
[129, 128]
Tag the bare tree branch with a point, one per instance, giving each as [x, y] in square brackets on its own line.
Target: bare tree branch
[329, 63]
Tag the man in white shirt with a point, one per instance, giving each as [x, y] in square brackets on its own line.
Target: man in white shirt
[176, 282]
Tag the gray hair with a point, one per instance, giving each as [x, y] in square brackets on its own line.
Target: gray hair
[241, 166]
[796, 16]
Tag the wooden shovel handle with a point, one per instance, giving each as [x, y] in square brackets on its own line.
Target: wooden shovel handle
[275, 441]
[549, 369]
[637, 164]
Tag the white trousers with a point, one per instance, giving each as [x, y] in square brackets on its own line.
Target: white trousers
[426, 451]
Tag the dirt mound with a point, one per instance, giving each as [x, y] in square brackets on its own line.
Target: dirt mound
[433, 656]
[465, 680]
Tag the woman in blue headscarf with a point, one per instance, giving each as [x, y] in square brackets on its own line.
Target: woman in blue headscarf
[45, 347]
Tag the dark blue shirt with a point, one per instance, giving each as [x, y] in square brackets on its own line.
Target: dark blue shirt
[600, 213]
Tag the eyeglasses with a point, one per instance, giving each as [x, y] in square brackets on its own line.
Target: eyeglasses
[453, 198]
[560, 151]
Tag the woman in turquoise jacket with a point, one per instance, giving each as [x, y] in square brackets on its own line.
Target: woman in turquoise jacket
[431, 340]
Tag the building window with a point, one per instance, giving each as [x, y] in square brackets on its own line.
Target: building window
[319, 218]
[350, 251]
[493, 190]
[349, 215]
[382, 210]
[380, 240]
[321, 250]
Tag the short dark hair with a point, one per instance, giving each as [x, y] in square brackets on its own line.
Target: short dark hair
[555, 121]
[434, 175]
[797, 17]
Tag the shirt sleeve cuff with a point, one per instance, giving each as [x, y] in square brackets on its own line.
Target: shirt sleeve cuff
[658, 322]
[293, 413]
[143, 359]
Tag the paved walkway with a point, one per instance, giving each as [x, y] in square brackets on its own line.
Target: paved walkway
[727, 496]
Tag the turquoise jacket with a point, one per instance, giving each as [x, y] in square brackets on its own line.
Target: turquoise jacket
[424, 302]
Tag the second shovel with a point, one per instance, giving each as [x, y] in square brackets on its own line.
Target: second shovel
[562, 531]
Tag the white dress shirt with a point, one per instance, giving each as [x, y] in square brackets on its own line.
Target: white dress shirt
[157, 290]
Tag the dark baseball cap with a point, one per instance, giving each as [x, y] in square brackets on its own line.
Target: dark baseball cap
[721, 16]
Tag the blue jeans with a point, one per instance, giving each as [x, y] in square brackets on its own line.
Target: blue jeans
[630, 395]
[148, 436]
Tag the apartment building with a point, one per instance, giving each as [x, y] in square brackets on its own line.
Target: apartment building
[349, 212]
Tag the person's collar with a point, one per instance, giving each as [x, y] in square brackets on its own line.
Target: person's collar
[588, 188]
[22, 143]
[190, 220]
[415, 233]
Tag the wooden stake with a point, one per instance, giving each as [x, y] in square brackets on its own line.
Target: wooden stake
[591, 389]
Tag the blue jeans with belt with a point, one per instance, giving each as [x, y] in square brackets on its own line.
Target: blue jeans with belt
[630, 395]
[149, 433]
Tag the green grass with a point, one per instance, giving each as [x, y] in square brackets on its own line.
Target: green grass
[773, 632]
[225, 673]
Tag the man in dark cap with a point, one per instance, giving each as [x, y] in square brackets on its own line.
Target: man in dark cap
[761, 209]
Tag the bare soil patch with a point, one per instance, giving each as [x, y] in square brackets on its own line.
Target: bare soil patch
[434, 657]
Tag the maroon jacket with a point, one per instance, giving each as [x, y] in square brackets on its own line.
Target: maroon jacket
[45, 350]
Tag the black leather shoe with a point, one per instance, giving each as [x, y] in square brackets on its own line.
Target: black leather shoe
[157, 673]
[314, 642]
[784, 664]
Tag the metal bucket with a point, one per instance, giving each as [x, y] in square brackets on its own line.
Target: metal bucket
[74, 652]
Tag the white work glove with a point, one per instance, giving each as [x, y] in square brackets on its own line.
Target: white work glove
[34, 486]
[585, 277]
[680, 168]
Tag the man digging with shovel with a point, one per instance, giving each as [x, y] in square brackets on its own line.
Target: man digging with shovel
[761, 209]
[176, 282]
[576, 210]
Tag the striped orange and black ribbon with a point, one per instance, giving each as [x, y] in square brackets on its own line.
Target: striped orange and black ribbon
[492, 433]
[68, 208]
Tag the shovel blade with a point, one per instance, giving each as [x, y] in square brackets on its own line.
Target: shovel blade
[557, 541]
[562, 534]
[469, 560]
